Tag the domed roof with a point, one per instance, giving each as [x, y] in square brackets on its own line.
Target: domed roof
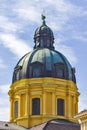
[43, 36]
[43, 62]
[43, 30]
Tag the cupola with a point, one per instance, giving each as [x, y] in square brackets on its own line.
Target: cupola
[43, 36]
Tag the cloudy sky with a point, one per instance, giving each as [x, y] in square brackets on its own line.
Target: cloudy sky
[18, 21]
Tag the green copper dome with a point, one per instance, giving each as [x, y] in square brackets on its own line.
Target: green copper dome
[44, 60]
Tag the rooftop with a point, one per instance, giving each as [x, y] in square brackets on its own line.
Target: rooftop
[56, 124]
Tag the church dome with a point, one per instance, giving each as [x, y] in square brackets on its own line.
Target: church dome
[43, 86]
[44, 60]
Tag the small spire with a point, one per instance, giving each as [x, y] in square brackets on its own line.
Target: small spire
[43, 17]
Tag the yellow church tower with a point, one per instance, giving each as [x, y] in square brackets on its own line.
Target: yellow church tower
[44, 84]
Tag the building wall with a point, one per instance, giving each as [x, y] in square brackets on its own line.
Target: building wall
[84, 125]
[82, 119]
[48, 90]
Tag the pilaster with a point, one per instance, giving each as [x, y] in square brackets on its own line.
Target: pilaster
[11, 109]
[19, 106]
[27, 104]
[53, 103]
[44, 103]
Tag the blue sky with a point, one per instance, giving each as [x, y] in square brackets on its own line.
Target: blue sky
[18, 21]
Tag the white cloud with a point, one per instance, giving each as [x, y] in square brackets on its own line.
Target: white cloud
[4, 113]
[82, 103]
[67, 51]
[4, 88]
[7, 26]
[31, 14]
[67, 8]
[60, 6]
[4, 104]
[31, 11]
[16, 46]
[2, 65]
[80, 36]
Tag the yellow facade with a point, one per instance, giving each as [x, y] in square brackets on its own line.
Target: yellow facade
[82, 119]
[48, 90]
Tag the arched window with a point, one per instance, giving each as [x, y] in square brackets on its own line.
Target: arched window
[16, 75]
[35, 69]
[16, 109]
[60, 107]
[36, 72]
[36, 106]
[60, 70]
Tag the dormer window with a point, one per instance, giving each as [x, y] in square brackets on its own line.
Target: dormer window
[36, 72]
[60, 70]
[36, 69]
[16, 75]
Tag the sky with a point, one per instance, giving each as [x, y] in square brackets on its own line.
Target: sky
[18, 22]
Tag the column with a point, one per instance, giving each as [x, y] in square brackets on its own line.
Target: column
[68, 106]
[86, 124]
[30, 104]
[73, 107]
[27, 104]
[19, 106]
[53, 103]
[77, 105]
[11, 110]
[81, 126]
[44, 103]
